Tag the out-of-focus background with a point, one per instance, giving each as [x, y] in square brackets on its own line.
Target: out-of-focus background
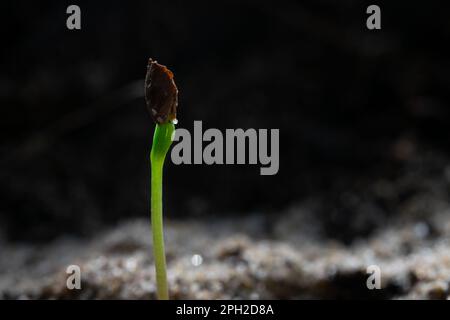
[364, 143]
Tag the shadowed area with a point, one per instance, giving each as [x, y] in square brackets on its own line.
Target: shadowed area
[364, 149]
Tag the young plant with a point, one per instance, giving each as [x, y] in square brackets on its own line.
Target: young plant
[161, 96]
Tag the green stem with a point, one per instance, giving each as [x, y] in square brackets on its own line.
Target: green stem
[162, 140]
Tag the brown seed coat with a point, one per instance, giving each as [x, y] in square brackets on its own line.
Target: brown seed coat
[161, 93]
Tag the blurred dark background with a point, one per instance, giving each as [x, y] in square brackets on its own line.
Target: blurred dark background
[351, 105]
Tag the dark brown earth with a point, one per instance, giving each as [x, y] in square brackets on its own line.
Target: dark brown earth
[287, 256]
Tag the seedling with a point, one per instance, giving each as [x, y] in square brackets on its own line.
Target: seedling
[161, 96]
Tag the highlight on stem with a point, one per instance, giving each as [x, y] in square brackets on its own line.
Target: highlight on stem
[161, 97]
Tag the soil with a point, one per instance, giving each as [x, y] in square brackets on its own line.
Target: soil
[286, 256]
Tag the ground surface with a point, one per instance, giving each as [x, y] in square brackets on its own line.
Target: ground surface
[238, 261]
[401, 224]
